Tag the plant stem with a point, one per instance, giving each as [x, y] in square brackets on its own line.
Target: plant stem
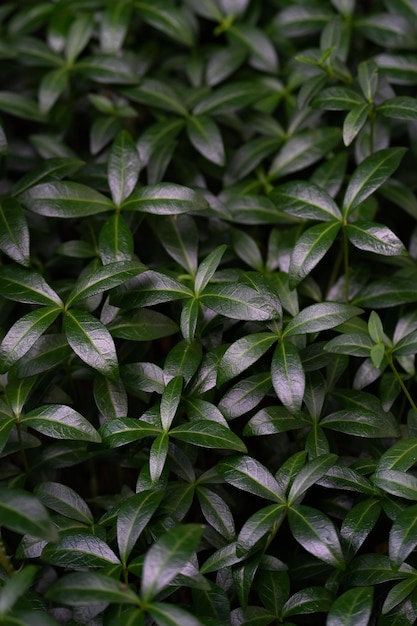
[402, 385]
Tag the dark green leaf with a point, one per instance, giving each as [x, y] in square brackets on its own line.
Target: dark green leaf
[110, 397]
[23, 513]
[374, 237]
[368, 78]
[306, 201]
[319, 317]
[122, 430]
[208, 434]
[22, 285]
[354, 122]
[15, 587]
[205, 136]
[115, 240]
[61, 422]
[238, 301]
[167, 19]
[170, 615]
[46, 353]
[402, 538]
[373, 569]
[307, 601]
[357, 525]
[150, 288]
[20, 106]
[156, 93]
[249, 475]
[132, 518]
[398, 594]
[157, 456]
[309, 475]
[65, 200]
[65, 501]
[338, 99]
[233, 96]
[364, 423]
[217, 512]
[271, 421]
[83, 588]
[242, 354]
[179, 236]
[74, 549]
[316, 533]
[397, 483]
[401, 107]
[14, 232]
[310, 249]
[52, 86]
[288, 376]
[356, 344]
[164, 199]
[142, 325]
[123, 167]
[245, 395]
[51, 169]
[352, 608]
[257, 526]
[108, 69]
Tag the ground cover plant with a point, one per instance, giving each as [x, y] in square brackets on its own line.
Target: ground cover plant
[208, 319]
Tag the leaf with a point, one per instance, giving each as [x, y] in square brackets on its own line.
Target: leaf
[158, 456]
[337, 99]
[52, 86]
[248, 474]
[164, 199]
[20, 106]
[208, 434]
[231, 97]
[368, 78]
[352, 608]
[355, 120]
[307, 601]
[142, 325]
[271, 421]
[370, 175]
[79, 35]
[110, 397]
[60, 422]
[288, 376]
[245, 395]
[170, 400]
[23, 285]
[257, 526]
[217, 512]
[123, 167]
[242, 354]
[166, 614]
[179, 236]
[318, 317]
[207, 268]
[150, 288]
[74, 549]
[82, 588]
[355, 344]
[23, 513]
[309, 249]
[15, 587]
[247, 157]
[167, 19]
[122, 430]
[108, 69]
[309, 475]
[113, 27]
[238, 301]
[166, 558]
[115, 240]
[24, 333]
[358, 524]
[398, 594]
[46, 353]
[133, 517]
[91, 342]
[205, 136]
[65, 501]
[397, 483]
[156, 93]
[402, 537]
[14, 232]
[303, 150]
[374, 237]
[51, 169]
[65, 200]
[316, 533]
[363, 423]
[102, 279]
[306, 201]
[373, 569]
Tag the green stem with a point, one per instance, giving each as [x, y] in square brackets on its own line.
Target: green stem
[346, 262]
[4, 559]
[402, 384]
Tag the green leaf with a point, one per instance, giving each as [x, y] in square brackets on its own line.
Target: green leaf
[257, 526]
[46, 353]
[60, 422]
[91, 342]
[51, 169]
[231, 97]
[222, 558]
[122, 430]
[102, 279]
[355, 344]
[368, 78]
[306, 201]
[245, 395]
[72, 549]
[164, 199]
[156, 93]
[363, 423]
[78, 37]
[205, 136]
[288, 376]
[398, 594]
[65, 501]
[23, 285]
[337, 99]
[133, 517]
[170, 401]
[242, 354]
[271, 421]
[400, 456]
[397, 483]
[273, 589]
[114, 24]
[110, 397]
[150, 288]
[310, 248]
[65, 200]
[303, 150]
[248, 474]
[166, 614]
[167, 19]
[373, 569]
[400, 107]
[307, 601]
[115, 240]
[355, 120]
[402, 537]
[123, 167]
[352, 608]
[217, 512]
[264, 56]
[179, 236]
[158, 456]
[207, 268]
[318, 317]
[374, 237]
[370, 175]
[15, 587]
[83, 588]
[52, 86]
[166, 558]
[108, 69]
[316, 533]
[309, 475]
[208, 434]
[238, 301]
[14, 232]
[20, 106]
[24, 333]
[247, 157]
[23, 513]
[142, 325]
[358, 524]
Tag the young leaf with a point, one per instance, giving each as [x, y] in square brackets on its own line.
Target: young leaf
[248, 474]
[310, 249]
[60, 422]
[374, 237]
[123, 167]
[115, 240]
[316, 533]
[92, 342]
[288, 376]
[166, 558]
[369, 175]
[352, 608]
[23, 513]
[14, 232]
[65, 200]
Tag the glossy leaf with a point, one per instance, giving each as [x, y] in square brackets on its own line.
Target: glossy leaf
[358, 524]
[81, 588]
[170, 615]
[115, 240]
[248, 474]
[352, 608]
[65, 501]
[122, 430]
[61, 422]
[364, 423]
[306, 201]
[142, 325]
[307, 601]
[65, 200]
[319, 317]
[23, 513]
[242, 354]
[207, 434]
[132, 518]
[164, 199]
[316, 533]
[123, 167]
[288, 377]
[310, 248]
[205, 136]
[354, 122]
[238, 301]
[22, 285]
[257, 526]
[14, 232]
[374, 237]
[309, 475]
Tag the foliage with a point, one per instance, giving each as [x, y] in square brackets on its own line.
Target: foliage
[208, 329]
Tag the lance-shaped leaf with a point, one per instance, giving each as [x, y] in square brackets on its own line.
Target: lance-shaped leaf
[51, 87]
[133, 517]
[179, 236]
[363, 423]
[217, 512]
[242, 354]
[66, 200]
[115, 240]
[61, 422]
[316, 533]
[20, 106]
[23, 513]
[308, 601]
[271, 421]
[355, 120]
[374, 237]
[165, 199]
[288, 377]
[207, 268]
[388, 292]
[158, 455]
[337, 99]
[165, 614]
[306, 201]
[148, 289]
[15, 587]
[310, 249]
[65, 501]
[14, 232]
[250, 475]
[356, 344]
[23, 334]
[79, 549]
[309, 475]
[22, 285]
[357, 525]
[263, 53]
[91, 341]
[142, 325]
[170, 400]
[103, 279]
[401, 484]
[205, 136]
[233, 96]
[156, 93]
[46, 353]
[403, 536]
[110, 397]
[373, 569]
[398, 594]
[122, 430]
[166, 558]
[319, 317]
[245, 395]
[257, 526]
[208, 434]
[123, 167]
[51, 169]
[83, 588]
[352, 608]
[400, 107]
[238, 301]
[370, 175]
